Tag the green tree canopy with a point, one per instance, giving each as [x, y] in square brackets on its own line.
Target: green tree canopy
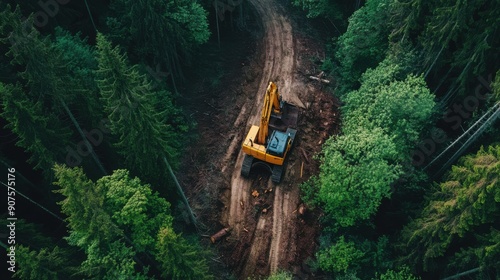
[165, 31]
[44, 264]
[465, 206]
[178, 258]
[120, 224]
[328, 9]
[355, 174]
[40, 132]
[144, 126]
[340, 257]
[363, 45]
[401, 108]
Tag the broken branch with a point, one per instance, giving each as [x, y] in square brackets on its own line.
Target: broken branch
[319, 80]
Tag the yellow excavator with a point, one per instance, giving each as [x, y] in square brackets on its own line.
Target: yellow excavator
[279, 120]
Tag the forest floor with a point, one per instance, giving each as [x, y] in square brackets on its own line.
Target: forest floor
[267, 232]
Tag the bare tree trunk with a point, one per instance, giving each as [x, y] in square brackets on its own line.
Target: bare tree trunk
[89, 146]
[473, 132]
[181, 192]
[463, 274]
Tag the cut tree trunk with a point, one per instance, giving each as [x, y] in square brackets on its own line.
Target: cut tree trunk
[223, 232]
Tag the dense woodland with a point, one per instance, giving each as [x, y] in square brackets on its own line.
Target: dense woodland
[409, 189]
[401, 196]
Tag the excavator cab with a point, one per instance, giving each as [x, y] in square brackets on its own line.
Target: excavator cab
[277, 143]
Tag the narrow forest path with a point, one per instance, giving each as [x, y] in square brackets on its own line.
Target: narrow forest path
[272, 236]
[267, 232]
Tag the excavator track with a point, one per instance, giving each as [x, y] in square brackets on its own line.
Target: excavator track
[247, 165]
[277, 173]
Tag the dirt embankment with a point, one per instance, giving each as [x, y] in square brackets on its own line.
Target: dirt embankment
[268, 233]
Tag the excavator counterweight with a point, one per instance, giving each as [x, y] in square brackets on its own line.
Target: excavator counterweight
[269, 143]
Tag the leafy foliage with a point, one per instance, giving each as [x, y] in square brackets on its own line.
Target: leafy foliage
[340, 257]
[281, 275]
[358, 167]
[363, 45]
[325, 8]
[379, 103]
[403, 273]
[356, 174]
[44, 264]
[116, 221]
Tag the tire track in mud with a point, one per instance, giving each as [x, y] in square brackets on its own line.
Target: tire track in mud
[279, 66]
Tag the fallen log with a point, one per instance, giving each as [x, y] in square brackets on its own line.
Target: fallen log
[320, 80]
[219, 234]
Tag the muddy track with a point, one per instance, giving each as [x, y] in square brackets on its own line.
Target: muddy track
[272, 236]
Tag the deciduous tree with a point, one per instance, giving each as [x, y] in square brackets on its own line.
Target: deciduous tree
[363, 45]
[356, 172]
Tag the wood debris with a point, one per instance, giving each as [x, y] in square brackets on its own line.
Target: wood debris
[266, 209]
[255, 193]
[319, 80]
[219, 234]
[302, 209]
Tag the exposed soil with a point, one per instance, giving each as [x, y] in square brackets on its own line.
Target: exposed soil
[267, 231]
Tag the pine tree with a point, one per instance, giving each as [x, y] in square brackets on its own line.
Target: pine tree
[45, 264]
[120, 224]
[468, 200]
[80, 62]
[109, 252]
[39, 132]
[135, 117]
[177, 257]
[45, 74]
[166, 31]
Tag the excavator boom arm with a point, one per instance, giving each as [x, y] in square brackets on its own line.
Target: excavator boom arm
[271, 104]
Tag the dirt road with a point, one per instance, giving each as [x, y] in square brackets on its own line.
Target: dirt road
[267, 233]
[269, 247]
